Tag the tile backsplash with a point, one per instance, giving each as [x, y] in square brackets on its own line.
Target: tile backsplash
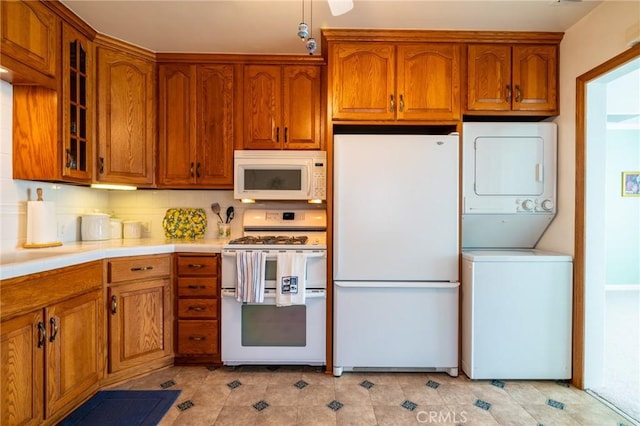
[147, 206]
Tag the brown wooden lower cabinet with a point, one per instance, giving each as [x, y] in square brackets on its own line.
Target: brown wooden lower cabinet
[198, 309]
[51, 343]
[140, 315]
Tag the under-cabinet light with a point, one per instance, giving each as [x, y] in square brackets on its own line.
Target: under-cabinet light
[247, 200]
[111, 186]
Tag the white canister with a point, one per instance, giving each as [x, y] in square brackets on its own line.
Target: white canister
[94, 227]
[116, 228]
[131, 229]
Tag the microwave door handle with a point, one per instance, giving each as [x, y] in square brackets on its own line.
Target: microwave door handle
[539, 170]
[309, 167]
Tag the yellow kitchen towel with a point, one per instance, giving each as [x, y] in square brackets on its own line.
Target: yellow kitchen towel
[250, 266]
[291, 274]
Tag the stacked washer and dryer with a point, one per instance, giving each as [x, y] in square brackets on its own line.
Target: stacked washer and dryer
[516, 299]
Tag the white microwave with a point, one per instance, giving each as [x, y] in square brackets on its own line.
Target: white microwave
[280, 175]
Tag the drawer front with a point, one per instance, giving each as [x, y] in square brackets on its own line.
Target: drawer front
[134, 268]
[197, 337]
[198, 308]
[198, 265]
[197, 287]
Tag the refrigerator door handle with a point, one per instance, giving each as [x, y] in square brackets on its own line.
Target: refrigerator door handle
[396, 284]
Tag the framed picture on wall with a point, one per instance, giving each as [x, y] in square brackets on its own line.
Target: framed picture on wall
[631, 184]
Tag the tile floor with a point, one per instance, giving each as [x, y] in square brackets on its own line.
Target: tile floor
[292, 395]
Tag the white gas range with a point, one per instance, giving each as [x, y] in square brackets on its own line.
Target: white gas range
[263, 333]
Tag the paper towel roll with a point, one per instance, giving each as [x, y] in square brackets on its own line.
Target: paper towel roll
[41, 224]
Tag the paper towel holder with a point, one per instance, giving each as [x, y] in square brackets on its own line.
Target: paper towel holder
[44, 244]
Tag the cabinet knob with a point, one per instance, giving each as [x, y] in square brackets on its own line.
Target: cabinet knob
[517, 93]
[196, 287]
[197, 308]
[101, 165]
[508, 93]
[401, 103]
[191, 169]
[392, 104]
[141, 268]
[286, 134]
[277, 134]
[196, 265]
[114, 305]
[197, 338]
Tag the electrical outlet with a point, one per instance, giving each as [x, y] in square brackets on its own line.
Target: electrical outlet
[146, 227]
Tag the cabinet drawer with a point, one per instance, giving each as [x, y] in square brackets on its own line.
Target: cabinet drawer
[198, 308]
[144, 267]
[198, 265]
[197, 337]
[198, 287]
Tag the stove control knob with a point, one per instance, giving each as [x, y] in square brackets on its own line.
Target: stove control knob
[547, 205]
[527, 205]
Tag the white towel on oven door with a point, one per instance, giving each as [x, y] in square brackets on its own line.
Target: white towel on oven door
[291, 274]
[250, 266]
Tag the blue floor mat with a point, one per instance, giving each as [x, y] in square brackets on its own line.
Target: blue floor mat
[123, 407]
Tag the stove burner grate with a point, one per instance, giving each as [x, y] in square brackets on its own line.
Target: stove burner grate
[271, 240]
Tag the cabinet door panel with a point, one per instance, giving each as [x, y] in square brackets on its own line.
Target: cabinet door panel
[29, 33]
[139, 323]
[176, 130]
[215, 123]
[77, 105]
[428, 82]
[22, 370]
[535, 78]
[301, 102]
[73, 349]
[126, 116]
[262, 107]
[489, 77]
[363, 81]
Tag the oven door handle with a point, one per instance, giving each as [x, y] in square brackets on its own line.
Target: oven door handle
[271, 294]
[272, 253]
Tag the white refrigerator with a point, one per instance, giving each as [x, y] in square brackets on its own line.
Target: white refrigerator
[395, 252]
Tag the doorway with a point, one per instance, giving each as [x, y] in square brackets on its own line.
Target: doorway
[607, 271]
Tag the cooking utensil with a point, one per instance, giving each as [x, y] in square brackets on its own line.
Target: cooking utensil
[216, 209]
[229, 214]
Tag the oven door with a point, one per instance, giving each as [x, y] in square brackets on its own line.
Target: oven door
[316, 269]
[263, 333]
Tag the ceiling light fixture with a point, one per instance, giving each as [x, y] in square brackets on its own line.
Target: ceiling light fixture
[340, 7]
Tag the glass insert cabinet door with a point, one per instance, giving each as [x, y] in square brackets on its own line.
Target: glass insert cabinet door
[76, 106]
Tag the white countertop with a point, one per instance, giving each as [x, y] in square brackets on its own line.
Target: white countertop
[21, 262]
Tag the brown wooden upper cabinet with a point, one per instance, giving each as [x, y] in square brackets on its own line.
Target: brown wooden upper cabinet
[126, 105]
[77, 105]
[196, 125]
[395, 82]
[53, 135]
[514, 79]
[29, 37]
[281, 107]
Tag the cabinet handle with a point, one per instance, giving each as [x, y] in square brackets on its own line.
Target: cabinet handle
[196, 287]
[54, 329]
[508, 93]
[191, 169]
[195, 265]
[101, 165]
[141, 268]
[42, 334]
[401, 103]
[277, 134]
[392, 104]
[197, 308]
[198, 170]
[114, 305]
[286, 134]
[517, 93]
[197, 338]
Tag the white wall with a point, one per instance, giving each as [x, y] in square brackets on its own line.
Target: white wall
[598, 37]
